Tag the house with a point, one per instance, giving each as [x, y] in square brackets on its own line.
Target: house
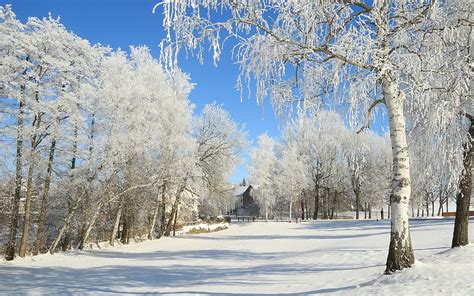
[244, 202]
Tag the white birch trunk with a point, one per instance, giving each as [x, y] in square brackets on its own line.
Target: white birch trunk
[291, 208]
[400, 251]
[118, 215]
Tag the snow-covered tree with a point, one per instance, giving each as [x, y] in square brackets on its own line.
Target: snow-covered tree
[320, 140]
[105, 139]
[290, 178]
[262, 169]
[445, 99]
[350, 51]
[220, 141]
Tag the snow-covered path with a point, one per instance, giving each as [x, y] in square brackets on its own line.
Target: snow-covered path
[248, 258]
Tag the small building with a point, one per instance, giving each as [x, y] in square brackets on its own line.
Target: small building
[244, 202]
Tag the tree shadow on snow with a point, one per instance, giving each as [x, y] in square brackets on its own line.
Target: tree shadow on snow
[135, 279]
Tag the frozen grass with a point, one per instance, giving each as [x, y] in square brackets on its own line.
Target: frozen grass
[339, 257]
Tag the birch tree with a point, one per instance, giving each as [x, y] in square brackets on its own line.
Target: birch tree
[317, 41]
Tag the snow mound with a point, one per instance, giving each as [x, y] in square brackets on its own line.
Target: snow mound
[448, 273]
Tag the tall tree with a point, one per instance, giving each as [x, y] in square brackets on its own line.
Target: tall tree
[15, 63]
[317, 39]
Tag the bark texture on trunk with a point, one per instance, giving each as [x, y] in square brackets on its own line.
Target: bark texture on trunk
[67, 220]
[316, 203]
[174, 209]
[169, 225]
[163, 215]
[62, 230]
[365, 210]
[151, 229]
[29, 188]
[88, 229]
[400, 254]
[461, 223]
[175, 220]
[118, 215]
[13, 227]
[302, 209]
[356, 189]
[44, 201]
[127, 220]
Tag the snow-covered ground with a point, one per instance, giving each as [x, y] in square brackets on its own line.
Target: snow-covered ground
[340, 257]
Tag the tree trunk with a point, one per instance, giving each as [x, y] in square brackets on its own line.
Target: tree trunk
[461, 222]
[291, 209]
[87, 232]
[163, 214]
[357, 194]
[13, 226]
[151, 230]
[169, 225]
[74, 151]
[174, 209]
[175, 219]
[72, 208]
[432, 208]
[325, 200]
[400, 253]
[316, 203]
[302, 209]
[381, 214]
[328, 205]
[370, 211]
[91, 136]
[64, 227]
[365, 210]
[125, 229]
[44, 200]
[118, 215]
[127, 220]
[440, 208]
[306, 208]
[29, 188]
[333, 206]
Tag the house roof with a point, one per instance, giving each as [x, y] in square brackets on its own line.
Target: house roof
[240, 190]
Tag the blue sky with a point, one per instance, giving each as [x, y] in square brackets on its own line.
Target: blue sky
[121, 23]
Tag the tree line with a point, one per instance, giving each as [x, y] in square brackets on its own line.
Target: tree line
[321, 168]
[410, 60]
[100, 144]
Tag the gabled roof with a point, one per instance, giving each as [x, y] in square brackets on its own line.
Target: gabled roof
[240, 190]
